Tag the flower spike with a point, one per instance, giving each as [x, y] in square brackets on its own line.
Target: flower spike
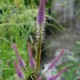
[40, 17]
[58, 75]
[31, 59]
[40, 28]
[20, 74]
[20, 60]
[56, 59]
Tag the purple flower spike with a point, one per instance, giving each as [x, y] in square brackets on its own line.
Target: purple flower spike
[40, 17]
[58, 75]
[20, 74]
[31, 59]
[56, 59]
[20, 60]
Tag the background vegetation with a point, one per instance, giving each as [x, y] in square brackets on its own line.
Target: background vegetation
[17, 24]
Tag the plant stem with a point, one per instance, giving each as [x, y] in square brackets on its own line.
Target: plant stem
[38, 52]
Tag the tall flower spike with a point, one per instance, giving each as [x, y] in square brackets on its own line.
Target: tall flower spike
[40, 29]
[56, 59]
[58, 75]
[40, 17]
[20, 60]
[31, 59]
[40, 33]
[20, 74]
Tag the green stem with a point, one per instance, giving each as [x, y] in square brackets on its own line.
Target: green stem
[38, 53]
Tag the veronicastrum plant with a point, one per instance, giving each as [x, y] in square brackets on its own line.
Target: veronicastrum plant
[34, 63]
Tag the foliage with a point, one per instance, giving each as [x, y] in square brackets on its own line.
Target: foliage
[17, 23]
